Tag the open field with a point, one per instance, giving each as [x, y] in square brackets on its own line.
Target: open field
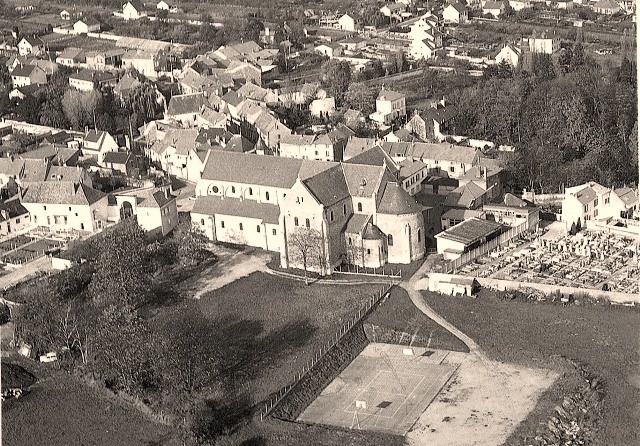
[604, 338]
[381, 390]
[266, 327]
[61, 410]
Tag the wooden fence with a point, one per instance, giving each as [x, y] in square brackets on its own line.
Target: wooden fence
[371, 303]
[481, 250]
[363, 270]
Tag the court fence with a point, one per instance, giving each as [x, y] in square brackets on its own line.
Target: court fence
[374, 300]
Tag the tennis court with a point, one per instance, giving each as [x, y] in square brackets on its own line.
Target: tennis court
[385, 389]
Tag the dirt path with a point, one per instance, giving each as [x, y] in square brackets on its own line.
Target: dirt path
[410, 286]
[231, 266]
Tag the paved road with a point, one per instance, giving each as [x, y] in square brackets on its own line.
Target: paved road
[410, 286]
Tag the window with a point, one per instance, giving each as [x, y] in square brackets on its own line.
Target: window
[258, 228]
[331, 216]
[344, 209]
[390, 240]
[202, 221]
[606, 200]
[35, 219]
[452, 169]
[233, 189]
[307, 223]
[48, 220]
[82, 226]
[76, 214]
[350, 241]
[215, 189]
[295, 221]
[316, 153]
[595, 213]
[586, 207]
[359, 207]
[595, 203]
[419, 236]
[45, 208]
[266, 196]
[250, 191]
[70, 207]
[222, 223]
[241, 228]
[273, 232]
[368, 252]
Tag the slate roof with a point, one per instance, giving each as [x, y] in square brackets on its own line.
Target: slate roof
[65, 173]
[356, 223]
[357, 145]
[395, 200]
[329, 187]
[12, 208]
[116, 157]
[440, 113]
[389, 95]
[465, 196]
[628, 196]
[586, 195]
[24, 70]
[216, 205]
[88, 20]
[470, 231]
[458, 7]
[375, 156]
[61, 192]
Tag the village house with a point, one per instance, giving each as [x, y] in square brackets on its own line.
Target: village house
[455, 13]
[86, 25]
[390, 105]
[97, 143]
[309, 147]
[510, 54]
[456, 215]
[53, 154]
[104, 60]
[30, 45]
[184, 108]
[543, 44]
[329, 49]
[606, 7]
[432, 123]
[148, 63]
[71, 57]
[24, 75]
[350, 22]
[14, 217]
[133, 10]
[87, 80]
[393, 11]
[65, 205]
[519, 5]
[123, 162]
[513, 211]
[494, 8]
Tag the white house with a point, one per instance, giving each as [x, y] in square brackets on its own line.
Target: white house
[494, 8]
[86, 25]
[162, 5]
[592, 201]
[350, 22]
[519, 5]
[544, 45]
[329, 49]
[510, 54]
[98, 143]
[133, 10]
[155, 209]
[24, 75]
[455, 13]
[30, 45]
[389, 106]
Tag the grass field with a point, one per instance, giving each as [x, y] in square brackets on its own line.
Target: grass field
[61, 410]
[603, 338]
[266, 327]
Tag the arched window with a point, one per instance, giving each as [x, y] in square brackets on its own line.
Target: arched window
[222, 224]
[350, 241]
[258, 228]
[295, 221]
[344, 209]
[390, 240]
[307, 223]
[359, 207]
[241, 228]
[250, 191]
[266, 195]
[419, 236]
[233, 189]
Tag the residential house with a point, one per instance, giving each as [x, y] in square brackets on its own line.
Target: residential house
[455, 13]
[87, 80]
[393, 11]
[155, 210]
[71, 57]
[329, 49]
[353, 43]
[97, 143]
[467, 196]
[565, 4]
[513, 211]
[432, 123]
[123, 162]
[606, 7]
[163, 6]
[494, 8]
[309, 147]
[591, 201]
[519, 5]
[75, 174]
[245, 72]
[209, 118]
[628, 6]
[53, 154]
[390, 105]
[133, 10]
[322, 107]
[487, 177]
[147, 63]
[172, 152]
[65, 206]
[466, 236]
[14, 216]
[86, 25]
[184, 108]
[510, 54]
[543, 44]
[104, 59]
[126, 85]
[353, 118]
[22, 92]
[24, 75]
[350, 22]
[456, 215]
[31, 45]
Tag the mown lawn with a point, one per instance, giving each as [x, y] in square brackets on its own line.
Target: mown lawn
[603, 338]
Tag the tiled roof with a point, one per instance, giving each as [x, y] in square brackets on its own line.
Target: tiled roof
[628, 196]
[252, 169]
[61, 192]
[58, 155]
[490, 5]
[239, 143]
[513, 201]
[409, 168]
[356, 146]
[65, 173]
[116, 157]
[363, 180]
[440, 113]
[389, 95]
[465, 196]
[374, 157]
[12, 208]
[460, 214]
[470, 231]
[92, 76]
[93, 135]
[586, 195]
[183, 140]
[356, 223]
[395, 200]
[23, 70]
[432, 151]
[126, 84]
[186, 103]
[216, 205]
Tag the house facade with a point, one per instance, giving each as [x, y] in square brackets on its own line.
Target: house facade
[390, 105]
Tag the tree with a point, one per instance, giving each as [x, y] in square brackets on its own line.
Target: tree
[335, 77]
[252, 29]
[360, 97]
[505, 71]
[307, 249]
[190, 241]
[28, 109]
[79, 107]
[5, 76]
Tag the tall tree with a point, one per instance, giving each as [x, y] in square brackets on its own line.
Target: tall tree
[335, 76]
[360, 97]
[306, 244]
